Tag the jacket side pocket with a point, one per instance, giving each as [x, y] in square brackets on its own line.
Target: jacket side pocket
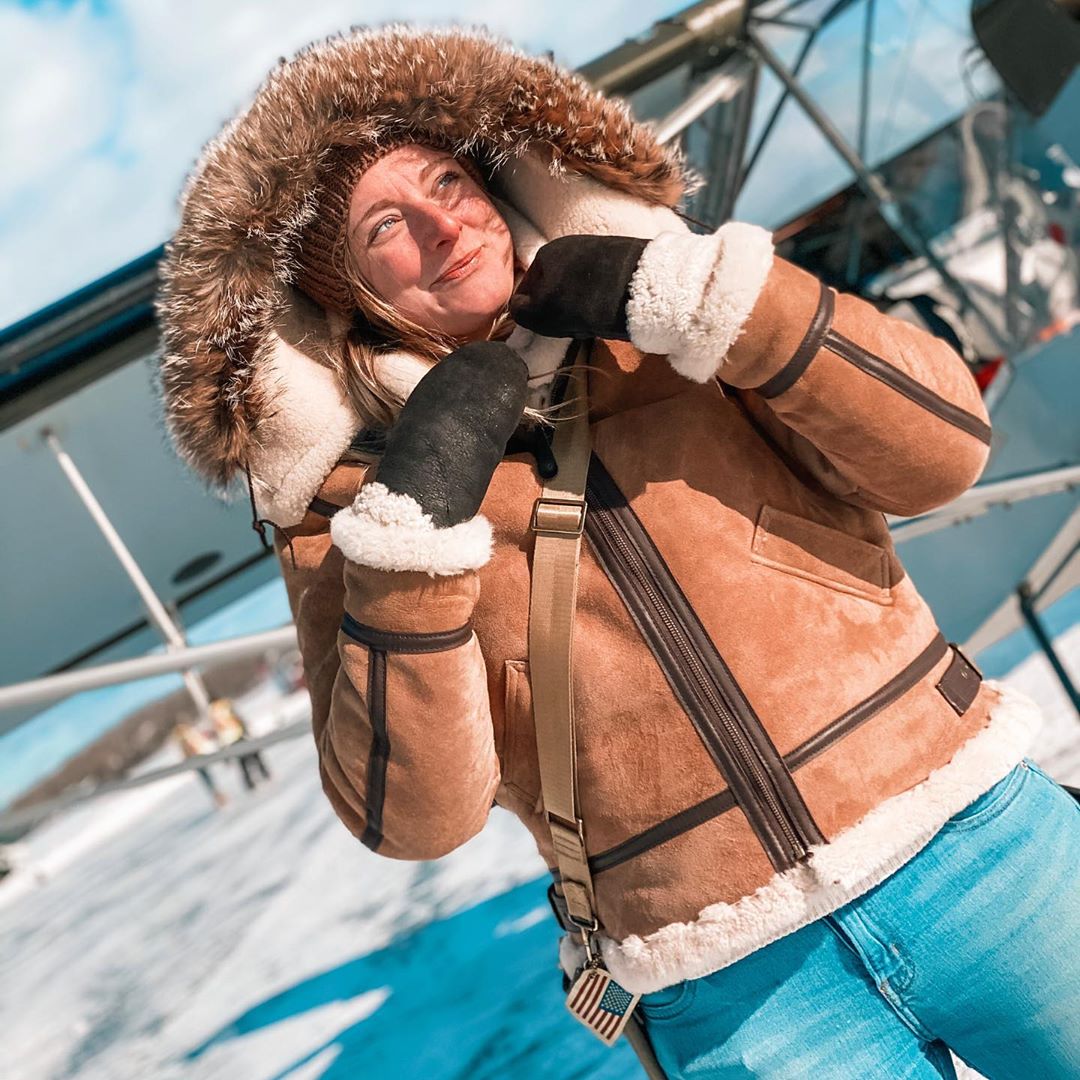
[520, 762]
[823, 554]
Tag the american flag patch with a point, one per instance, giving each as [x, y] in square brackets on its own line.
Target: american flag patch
[600, 1003]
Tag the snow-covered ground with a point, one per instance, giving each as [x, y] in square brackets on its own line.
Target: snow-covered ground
[149, 936]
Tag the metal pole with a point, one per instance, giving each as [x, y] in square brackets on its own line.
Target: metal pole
[891, 209]
[143, 667]
[723, 86]
[775, 114]
[155, 610]
[855, 235]
[1031, 617]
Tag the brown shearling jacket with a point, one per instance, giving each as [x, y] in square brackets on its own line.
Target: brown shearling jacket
[752, 506]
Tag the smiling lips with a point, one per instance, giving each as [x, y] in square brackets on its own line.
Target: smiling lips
[460, 268]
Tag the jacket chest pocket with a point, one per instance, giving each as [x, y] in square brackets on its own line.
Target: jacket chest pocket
[816, 552]
[517, 754]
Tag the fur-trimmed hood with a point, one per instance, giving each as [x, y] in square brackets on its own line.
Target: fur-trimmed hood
[243, 371]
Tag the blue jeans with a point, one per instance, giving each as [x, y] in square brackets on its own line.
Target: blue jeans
[972, 945]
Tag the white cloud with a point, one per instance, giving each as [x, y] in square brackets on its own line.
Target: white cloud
[59, 93]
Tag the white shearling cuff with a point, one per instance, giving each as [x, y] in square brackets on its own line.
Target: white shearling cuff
[388, 530]
[691, 294]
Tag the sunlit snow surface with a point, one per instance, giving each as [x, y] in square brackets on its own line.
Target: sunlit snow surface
[150, 936]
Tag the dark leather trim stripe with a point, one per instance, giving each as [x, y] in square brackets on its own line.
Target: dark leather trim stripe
[379, 754]
[720, 803]
[903, 383]
[882, 697]
[321, 506]
[676, 825]
[402, 642]
[808, 348]
[700, 679]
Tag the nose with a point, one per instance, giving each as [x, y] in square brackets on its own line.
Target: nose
[439, 226]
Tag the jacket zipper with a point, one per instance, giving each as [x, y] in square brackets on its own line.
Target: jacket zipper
[737, 739]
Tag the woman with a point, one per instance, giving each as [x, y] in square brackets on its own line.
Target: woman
[778, 752]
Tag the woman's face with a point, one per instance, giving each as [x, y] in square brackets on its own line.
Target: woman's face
[415, 215]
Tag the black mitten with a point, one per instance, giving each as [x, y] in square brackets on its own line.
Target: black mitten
[453, 430]
[420, 511]
[682, 295]
[578, 287]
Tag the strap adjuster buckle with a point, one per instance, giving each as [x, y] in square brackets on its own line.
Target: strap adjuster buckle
[590, 925]
[558, 517]
[568, 839]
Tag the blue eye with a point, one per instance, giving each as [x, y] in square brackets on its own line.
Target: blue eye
[449, 174]
[378, 228]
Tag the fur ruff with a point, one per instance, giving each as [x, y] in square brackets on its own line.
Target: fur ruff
[851, 864]
[564, 156]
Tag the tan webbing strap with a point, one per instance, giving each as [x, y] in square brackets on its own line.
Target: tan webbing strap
[558, 520]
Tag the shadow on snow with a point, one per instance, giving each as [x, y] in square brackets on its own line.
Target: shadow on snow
[477, 995]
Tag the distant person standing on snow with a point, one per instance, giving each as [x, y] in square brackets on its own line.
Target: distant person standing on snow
[195, 743]
[231, 728]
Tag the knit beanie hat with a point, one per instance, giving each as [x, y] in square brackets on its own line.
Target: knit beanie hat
[322, 241]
